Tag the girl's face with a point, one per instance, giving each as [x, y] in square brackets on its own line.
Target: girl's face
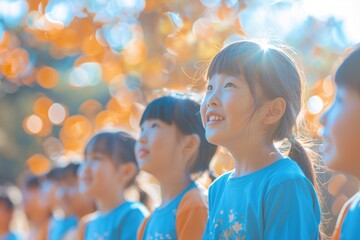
[98, 174]
[49, 190]
[342, 132]
[158, 147]
[34, 207]
[74, 200]
[226, 110]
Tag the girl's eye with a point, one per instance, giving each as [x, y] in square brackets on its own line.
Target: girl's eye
[154, 125]
[229, 85]
[209, 87]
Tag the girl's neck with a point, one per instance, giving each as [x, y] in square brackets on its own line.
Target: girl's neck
[40, 220]
[85, 211]
[110, 201]
[254, 158]
[172, 187]
[4, 230]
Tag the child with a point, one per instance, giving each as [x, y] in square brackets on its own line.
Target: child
[342, 139]
[110, 167]
[6, 214]
[37, 213]
[73, 204]
[62, 220]
[172, 147]
[253, 99]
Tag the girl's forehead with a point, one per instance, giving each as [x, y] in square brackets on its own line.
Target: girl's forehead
[223, 76]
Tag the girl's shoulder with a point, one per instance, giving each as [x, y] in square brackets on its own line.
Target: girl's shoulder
[137, 207]
[287, 170]
[221, 180]
[355, 203]
[194, 198]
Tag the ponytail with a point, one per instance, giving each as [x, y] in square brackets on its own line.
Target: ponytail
[299, 155]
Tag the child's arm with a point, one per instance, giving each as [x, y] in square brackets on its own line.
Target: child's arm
[292, 211]
[191, 216]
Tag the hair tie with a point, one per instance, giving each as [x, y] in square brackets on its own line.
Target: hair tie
[292, 138]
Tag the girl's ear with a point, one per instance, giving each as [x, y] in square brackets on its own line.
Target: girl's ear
[127, 171]
[191, 144]
[274, 110]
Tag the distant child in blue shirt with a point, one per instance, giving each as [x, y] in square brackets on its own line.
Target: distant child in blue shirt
[342, 139]
[109, 168]
[62, 220]
[75, 204]
[6, 214]
[172, 147]
[253, 99]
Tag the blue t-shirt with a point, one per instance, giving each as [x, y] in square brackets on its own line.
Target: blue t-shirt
[351, 226]
[121, 223]
[10, 236]
[276, 202]
[162, 222]
[59, 226]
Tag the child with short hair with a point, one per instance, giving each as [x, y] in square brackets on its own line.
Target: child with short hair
[342, 139]
[37, 212]
[6, 215]
[172, 147]
[109, 168]
[61, 220]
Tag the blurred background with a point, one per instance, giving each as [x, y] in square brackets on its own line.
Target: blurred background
[71, 67]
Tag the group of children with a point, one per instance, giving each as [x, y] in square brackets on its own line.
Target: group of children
[253, 101]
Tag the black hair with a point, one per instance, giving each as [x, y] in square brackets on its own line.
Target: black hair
[71, 170]
[185, 114]
[119, 146]
[4, 198]
[55, 174]
[348, 73]
[32, 182]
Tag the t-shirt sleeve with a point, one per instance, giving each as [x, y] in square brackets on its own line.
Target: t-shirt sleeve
[131, 224]
[192, 216]
[191, 224]
[291, 211]
[350, 227]
[141, 230]
[206, 234]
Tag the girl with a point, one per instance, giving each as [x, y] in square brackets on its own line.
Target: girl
[342, 139]
[37, 213]
[172, 146]
[253, 98]
[109, 168]
[73, 202]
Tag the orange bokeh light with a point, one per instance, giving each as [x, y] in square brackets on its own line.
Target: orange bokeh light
[90, 108]
[38, 164]
[135, 52]
[41, 107]
[47, 77]
[91, 47]
[15, 63]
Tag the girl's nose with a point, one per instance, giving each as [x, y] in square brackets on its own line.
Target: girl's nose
[142, 138]
[213, 100]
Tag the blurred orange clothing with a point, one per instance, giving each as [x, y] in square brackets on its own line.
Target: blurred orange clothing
[191, 216]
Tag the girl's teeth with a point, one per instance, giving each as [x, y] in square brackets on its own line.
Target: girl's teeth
[215, 118]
